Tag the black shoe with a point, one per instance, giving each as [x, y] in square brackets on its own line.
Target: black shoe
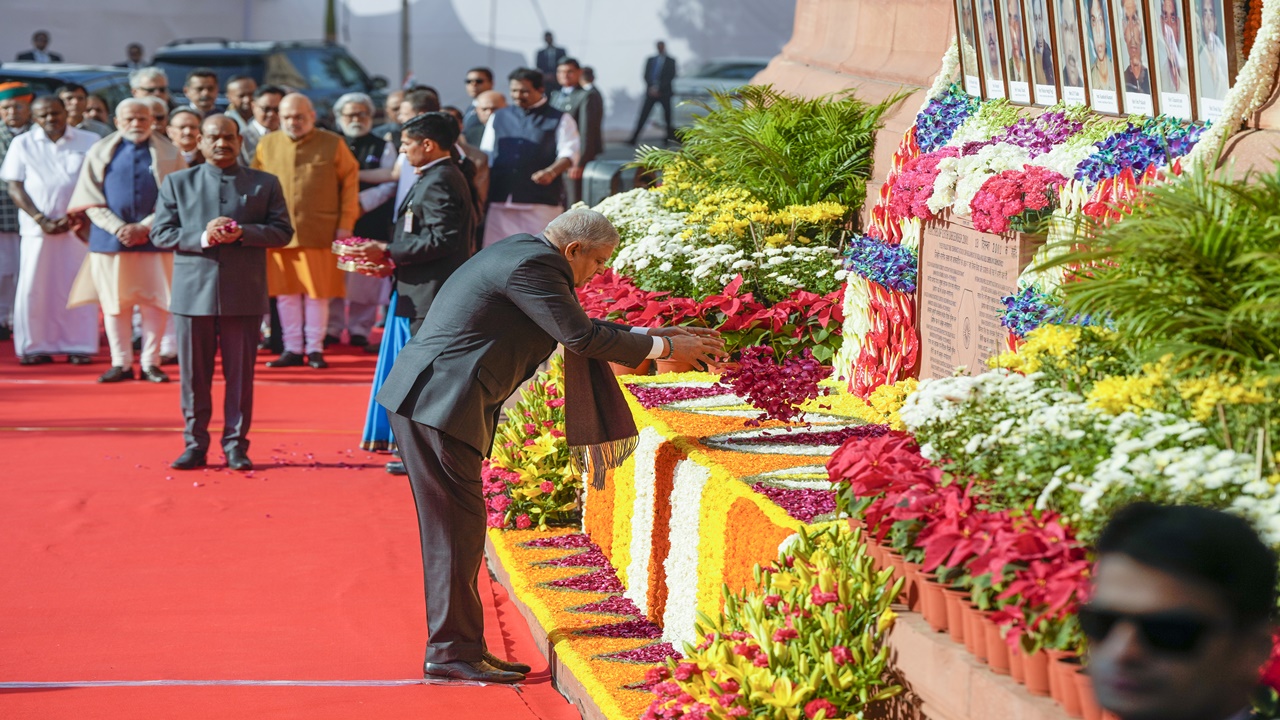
[153, 374]
[287, 359]
[316, 360]
[137, 344]
[116, 374]
[190, 459]
[330, 340]
[168, 359]
[358, 341]
[396, 468]
[515, 667]
[35, 359]
[238, 460]
[78, 359]
[480, 671]
[373, 349]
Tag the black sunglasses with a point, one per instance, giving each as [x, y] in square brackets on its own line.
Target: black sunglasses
[475, 81]
[1173, 633]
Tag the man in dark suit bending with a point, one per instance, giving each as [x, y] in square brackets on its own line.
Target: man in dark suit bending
[220, 217]
[495, 320]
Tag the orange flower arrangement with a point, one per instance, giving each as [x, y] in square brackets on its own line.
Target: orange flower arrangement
[1252, 23]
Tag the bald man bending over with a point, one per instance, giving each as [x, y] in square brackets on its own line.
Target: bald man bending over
[321, 182]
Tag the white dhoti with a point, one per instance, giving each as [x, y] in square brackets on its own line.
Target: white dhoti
[42, 323]
[506, 219]
[9, 242]
[119, 282]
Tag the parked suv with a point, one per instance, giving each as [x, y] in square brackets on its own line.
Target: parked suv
[109, 83]
[322, 71]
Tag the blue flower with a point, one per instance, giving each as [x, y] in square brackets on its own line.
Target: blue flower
[893, 266]
[941, 116]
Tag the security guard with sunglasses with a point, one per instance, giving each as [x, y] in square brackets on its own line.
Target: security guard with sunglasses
[1179, 623]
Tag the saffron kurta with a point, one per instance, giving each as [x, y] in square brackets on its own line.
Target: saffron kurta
[321, 182]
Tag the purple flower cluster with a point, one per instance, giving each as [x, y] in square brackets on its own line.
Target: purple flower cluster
[1039, 135]
[827, 437]
[634, 629]
[801, 504]
[1156, 142]
[779, 389]
[892, 266]
[938, 121]
[616, 605]
[562, 542]
[651, 396]
[647, 655]
[600, 581]
[1027, 310]
[591, 558]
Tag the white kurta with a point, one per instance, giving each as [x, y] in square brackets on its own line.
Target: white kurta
[42, 324]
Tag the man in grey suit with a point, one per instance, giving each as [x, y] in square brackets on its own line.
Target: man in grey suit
[587, 109]
[493, 322]
[220, 217]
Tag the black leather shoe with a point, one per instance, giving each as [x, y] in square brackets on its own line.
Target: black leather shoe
[316, 360]
[515, 667]
[330, 340]
[78, 359]
[238, 460]
[116, 374]
[473, 671]
[287, 359]
[153, 374]
[168, 359]
[35, 359]
[358, 341]
[190, 459]
[396, 468]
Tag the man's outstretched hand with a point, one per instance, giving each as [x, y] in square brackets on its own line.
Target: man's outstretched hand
[693, 345]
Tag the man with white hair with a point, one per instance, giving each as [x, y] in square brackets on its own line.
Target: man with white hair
[118, 186]
[321, 181]
[490, 326]
[149, 82]
[357, 313]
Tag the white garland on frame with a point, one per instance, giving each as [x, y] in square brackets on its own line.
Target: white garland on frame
[946, 76]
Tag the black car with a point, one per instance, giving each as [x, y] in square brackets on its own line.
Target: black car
[109, 83]
[320, 70]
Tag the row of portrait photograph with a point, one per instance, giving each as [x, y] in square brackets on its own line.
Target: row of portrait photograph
[1131, 57]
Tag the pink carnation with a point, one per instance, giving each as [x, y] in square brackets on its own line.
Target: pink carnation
[822, 598]
[1013, 193]
[524, 522]
[555, 403]
[785, 634]
[495, 520]
[841, 655]
[499, 503]
[813, 707]
[547, 487]
[530, 429]
[686, 670]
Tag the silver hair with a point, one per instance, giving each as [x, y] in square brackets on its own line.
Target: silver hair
[141, 75]
[353, 97]
[583, 225]
[136, 102]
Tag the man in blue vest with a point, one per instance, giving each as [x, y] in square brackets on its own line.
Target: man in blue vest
[530, 146]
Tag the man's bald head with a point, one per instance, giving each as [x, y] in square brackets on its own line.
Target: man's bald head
[220, 140]
[297, 115]
[487, 102]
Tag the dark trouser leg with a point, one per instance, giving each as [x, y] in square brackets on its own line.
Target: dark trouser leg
[238, 340]
[649, 100]
[197, 341]
[444, 473]
[666, 117]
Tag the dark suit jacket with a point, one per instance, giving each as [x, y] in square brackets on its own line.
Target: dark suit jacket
[496, 319]
[225, 279]
[438, 239]
[666, 74]
[30, 56]
[590, 126]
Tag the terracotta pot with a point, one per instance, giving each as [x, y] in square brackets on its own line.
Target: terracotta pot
[642, 369]
[912, 589]
[1036, 668]
[997, 649]
[899, 571]
[1089, 707]
[1016, 663]
[956, 601]
[975, 635]
[672, 366]
[933, 602]
[1062, 687]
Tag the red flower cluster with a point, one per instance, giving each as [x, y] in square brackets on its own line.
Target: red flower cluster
[891, 347]
[913, 186]
[1004, 198]
[779, 389]
[495, 481]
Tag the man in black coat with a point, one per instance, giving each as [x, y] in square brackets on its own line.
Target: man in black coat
[38, 53]
[493, 323]
[220, 218]
[659, 74]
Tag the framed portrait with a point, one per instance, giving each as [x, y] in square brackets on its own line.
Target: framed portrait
[1017, 66]
[1134, 55]
[1214, 65]
[967, 34]
[1101, 73]
[1170, 31]
[1071, 64]
[990, 50]
[1044, 74]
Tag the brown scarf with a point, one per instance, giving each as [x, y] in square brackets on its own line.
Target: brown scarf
[598, 424]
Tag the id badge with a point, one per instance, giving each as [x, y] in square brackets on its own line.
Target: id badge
[408, 222]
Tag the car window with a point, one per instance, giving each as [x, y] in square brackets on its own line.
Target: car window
[176, 67]
[732, 71]
[112, 91]
[324, 70]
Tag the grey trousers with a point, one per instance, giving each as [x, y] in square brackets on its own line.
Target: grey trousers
[199, 337]
[444, 473]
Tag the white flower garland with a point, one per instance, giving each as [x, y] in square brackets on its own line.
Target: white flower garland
[642, 516]
[947, 75]
[679, 618]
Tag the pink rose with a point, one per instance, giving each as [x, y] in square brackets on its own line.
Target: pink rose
[841, 655]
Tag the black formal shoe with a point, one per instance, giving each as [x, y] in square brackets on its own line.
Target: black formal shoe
[35, 359]
[316, 360]
[190, 459]
[480, 671]
[153, 374]
[168, 359]
[237, 460]
[287, 359]
[330, 340]
[78, 359]
[396, 468]
[515, 667]
[358, 341]
[116, 374]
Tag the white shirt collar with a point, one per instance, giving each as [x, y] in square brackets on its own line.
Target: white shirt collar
[262, 129]
[588, 86]
[437, 161]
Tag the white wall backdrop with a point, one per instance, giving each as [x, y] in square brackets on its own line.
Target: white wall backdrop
[448, 36]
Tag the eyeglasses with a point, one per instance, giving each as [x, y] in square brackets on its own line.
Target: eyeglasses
[1171, 633]
[475, 81]
[154, 90]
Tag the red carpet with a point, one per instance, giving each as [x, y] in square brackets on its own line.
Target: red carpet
[115, 568]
